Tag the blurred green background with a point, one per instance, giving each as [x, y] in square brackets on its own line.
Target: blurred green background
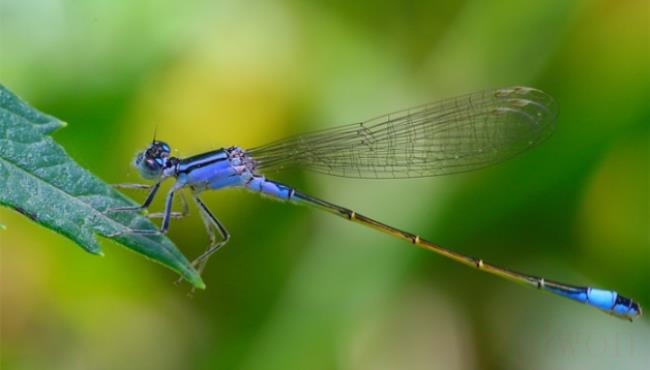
[297, 288]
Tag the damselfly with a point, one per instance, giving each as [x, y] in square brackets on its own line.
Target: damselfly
[450, 136]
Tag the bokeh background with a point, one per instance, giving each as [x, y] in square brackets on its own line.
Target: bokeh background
[300, 289]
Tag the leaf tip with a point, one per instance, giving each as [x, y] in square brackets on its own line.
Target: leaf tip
[3, 227]
[196, 281]
[93, 248]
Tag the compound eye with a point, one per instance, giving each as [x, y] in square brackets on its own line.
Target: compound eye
[150, 162]
[160, 147]
[154, 164]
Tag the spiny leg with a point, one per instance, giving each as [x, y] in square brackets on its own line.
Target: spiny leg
[209, 220]
[166, 216]
[168, 210]
[131, 186]
[207, 223]
[185, 210]
[183, 200]
[208, 227]
[144, 205]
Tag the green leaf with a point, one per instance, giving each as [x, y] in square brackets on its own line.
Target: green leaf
[39, 180]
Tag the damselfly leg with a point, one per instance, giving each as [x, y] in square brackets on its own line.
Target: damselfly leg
[184, 206]
[132, 186]
[166, 215]
[153, 189]
[210, 221]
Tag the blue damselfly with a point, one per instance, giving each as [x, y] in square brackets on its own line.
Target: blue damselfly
[450, 136]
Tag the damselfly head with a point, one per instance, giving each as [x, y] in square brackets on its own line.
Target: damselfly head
[152, 161]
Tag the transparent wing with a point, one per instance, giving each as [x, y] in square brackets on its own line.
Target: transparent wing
[450, 136]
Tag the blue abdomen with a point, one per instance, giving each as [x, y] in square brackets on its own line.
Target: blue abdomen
[270, 188]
